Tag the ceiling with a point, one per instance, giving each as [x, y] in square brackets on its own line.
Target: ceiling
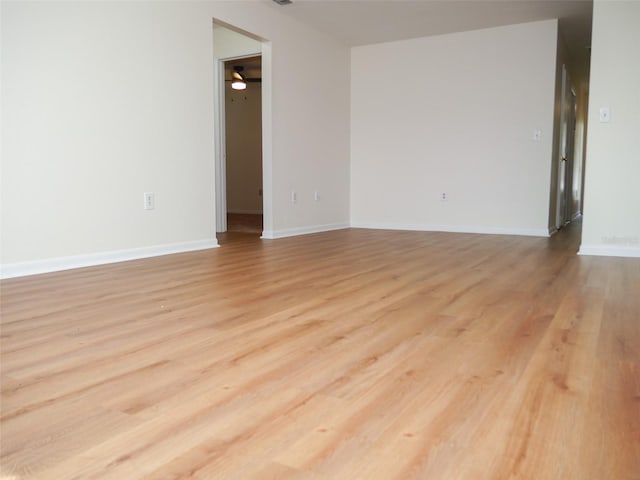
[362, 22]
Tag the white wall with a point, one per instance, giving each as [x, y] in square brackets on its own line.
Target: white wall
[308, 74]
[102, 101]
[230, 44]
[612, 184]
[455, 114]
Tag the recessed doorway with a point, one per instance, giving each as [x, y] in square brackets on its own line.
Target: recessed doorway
[243, 144]
[242, 134]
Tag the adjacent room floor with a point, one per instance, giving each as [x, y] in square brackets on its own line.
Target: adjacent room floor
[353, 354]
[244, 222]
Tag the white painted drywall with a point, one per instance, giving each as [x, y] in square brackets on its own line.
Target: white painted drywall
[102, 101]
[612, 185]
[454, 114]
[230, 44]
[308, 75]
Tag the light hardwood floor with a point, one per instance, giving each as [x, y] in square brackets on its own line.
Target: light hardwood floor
[346, 355]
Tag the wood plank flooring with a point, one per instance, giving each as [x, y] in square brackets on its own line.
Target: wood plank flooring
[353, 354]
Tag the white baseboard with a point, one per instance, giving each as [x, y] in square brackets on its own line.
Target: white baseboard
[610, 251]
[21, 269]
[530, 232]
[292, 232]
[552, 231]
[246, 212]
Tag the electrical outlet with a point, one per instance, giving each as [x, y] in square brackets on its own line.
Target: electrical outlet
[444, 196]
[149, 201]
[294, 197]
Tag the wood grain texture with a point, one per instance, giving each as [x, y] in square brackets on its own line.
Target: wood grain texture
[352, 354]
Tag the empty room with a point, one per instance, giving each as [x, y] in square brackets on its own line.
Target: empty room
[324, 240]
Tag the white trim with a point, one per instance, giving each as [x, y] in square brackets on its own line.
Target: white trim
[221, 148]
[292, 232]
[610, 251]
[21, 269]
[245, 212]
[552, 231]
[267, 136]
[529, 232]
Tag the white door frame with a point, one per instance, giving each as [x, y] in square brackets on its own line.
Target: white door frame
[221, 148]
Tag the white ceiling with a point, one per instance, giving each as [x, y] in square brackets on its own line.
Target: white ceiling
[361, 22]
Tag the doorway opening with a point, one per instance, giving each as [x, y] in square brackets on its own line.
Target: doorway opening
[568, 198]
[242, 132]
[243, 142]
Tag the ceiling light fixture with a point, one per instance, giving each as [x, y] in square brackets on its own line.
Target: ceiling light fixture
[282, 2]
[237, 80]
